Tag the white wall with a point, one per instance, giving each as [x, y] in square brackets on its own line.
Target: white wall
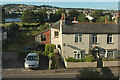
[71, 46]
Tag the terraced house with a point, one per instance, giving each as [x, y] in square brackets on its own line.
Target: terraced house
[78, 39]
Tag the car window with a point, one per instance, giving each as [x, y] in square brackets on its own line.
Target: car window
[32, 58]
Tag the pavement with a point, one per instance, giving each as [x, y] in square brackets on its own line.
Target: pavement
[61, 73]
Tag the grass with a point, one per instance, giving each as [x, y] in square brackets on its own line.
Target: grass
[18, 45]
[19, 23]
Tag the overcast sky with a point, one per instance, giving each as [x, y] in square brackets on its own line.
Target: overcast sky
[59, 0]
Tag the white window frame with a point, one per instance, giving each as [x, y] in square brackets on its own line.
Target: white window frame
[94, 38]
[107, 51]
[78, 53]
[55, 34]
[79, 38]
[109, 38]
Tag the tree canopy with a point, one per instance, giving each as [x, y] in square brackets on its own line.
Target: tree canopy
[27, 16]
[97, 14]
[82, 18]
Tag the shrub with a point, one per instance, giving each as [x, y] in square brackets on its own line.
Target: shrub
[70, 59]
[47, 51]
[109, 59]
[86, 73]
[89, 58]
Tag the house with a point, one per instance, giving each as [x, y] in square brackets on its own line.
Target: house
[80, 38]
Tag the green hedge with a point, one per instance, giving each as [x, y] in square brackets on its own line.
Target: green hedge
[47, 51]
[88, 58]
[109, 59]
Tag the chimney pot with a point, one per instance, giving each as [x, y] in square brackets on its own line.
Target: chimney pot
[106, 20]
[74, 18]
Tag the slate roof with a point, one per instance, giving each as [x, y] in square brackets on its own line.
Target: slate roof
[91, 28]
[56, 25]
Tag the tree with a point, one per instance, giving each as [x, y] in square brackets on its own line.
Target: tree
[82, 18]
[27, 16]
[47, 51]
[2, 15]
[57, 16]
[14, 28]
[73, 13]
[97, 14]
[43, 27]
[41, 16]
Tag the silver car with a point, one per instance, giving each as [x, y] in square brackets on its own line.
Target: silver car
[32, 61]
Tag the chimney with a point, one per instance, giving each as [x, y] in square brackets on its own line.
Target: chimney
[62, 16]
[74, 20]
[117, 19]
[106, 21]
[62, 22]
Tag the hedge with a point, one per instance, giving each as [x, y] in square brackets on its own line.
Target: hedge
[88, 58]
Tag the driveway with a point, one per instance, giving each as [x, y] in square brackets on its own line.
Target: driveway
[10, 60]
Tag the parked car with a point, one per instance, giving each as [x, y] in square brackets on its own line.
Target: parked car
[29, 48]
[32, 61]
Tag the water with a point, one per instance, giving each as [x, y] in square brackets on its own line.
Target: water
[13, 20]
[91, 5]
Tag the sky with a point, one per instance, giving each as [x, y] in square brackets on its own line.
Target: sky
[96, 5]
[59, 0]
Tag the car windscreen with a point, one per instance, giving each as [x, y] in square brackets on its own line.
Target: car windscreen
[32, 58]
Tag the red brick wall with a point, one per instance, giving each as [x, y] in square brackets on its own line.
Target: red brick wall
[47, 33]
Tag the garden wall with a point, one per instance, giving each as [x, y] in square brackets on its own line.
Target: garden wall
[80, 64]
[111, 63]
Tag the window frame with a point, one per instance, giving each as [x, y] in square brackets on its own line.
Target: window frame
[109, 38]
[43, 37]
[55, 34]
[78, 54]
[78, 38]
[94, 38]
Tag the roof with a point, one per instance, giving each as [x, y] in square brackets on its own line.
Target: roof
[56, 25]
[32, 54]
[90, 28]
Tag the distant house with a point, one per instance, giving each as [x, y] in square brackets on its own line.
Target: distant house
[78, 39]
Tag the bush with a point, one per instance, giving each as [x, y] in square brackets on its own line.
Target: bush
[70, 59]
[109, 59]
[88, 58]
[86, 73]
[47, 51]
[94, 74]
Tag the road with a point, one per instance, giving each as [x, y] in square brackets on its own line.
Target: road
[61, 73]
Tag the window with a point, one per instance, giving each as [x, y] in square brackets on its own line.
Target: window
[78, 54]
[78, 38]
[43, 37]
[56, 34]
[94, 38]
[109, 38]
[110, 54]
